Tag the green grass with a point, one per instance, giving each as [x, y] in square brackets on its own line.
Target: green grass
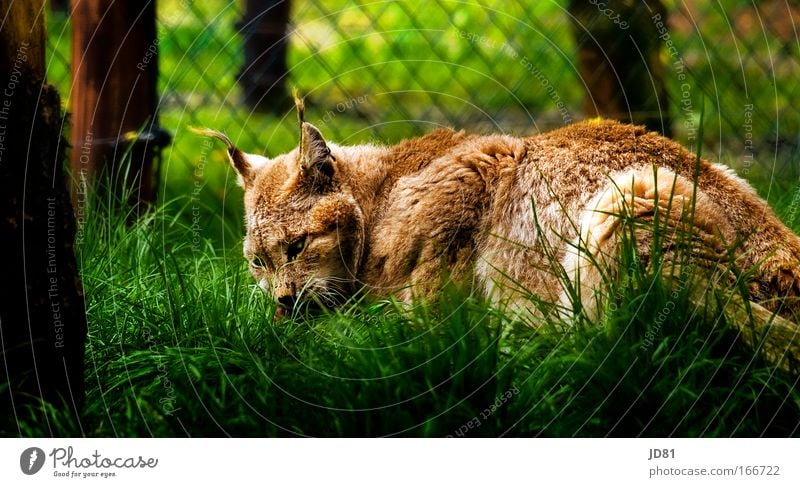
[182, 343]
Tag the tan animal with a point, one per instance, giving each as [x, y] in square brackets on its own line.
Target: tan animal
[518, 215]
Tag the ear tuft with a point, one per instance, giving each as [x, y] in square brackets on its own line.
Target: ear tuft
[212, 133]
[299, 105]
[237, 158]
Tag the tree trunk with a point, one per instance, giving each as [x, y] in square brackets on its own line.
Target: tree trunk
[263, 77]
[619, 61]
[114, 76]
[42, 313]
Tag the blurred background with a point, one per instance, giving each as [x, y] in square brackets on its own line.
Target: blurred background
[385, 70]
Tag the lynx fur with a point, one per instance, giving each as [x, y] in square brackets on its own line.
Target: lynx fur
[324, 221]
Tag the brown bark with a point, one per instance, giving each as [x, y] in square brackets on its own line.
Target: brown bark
[114, 78]
[42, 313]
[619, 61]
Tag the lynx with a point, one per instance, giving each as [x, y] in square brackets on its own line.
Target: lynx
[519, 216]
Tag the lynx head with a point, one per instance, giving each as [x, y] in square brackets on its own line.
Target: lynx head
[305, 233]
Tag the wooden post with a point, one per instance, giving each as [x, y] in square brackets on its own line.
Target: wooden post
[622, 83]
[42, 318]
[59, 5]
[263, 77]
[114, 77]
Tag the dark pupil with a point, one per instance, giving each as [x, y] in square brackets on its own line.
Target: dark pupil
[258, 262]
[295, 248]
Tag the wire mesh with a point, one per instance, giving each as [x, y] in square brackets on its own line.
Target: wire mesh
[381, 71]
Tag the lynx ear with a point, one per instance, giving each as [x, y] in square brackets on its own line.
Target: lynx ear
[316, 161]
[245, 165]
[315, 155]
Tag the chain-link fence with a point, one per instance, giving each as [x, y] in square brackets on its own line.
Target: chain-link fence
[391, 69]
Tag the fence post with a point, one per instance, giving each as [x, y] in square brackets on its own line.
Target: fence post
[59, 6]
[42, 317]
[263, 76]
[622, 84]
[114, 79]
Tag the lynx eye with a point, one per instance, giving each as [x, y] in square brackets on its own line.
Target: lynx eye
[258, 262]
[294, 248]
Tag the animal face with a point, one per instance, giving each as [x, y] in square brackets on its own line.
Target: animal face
[304, 231]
